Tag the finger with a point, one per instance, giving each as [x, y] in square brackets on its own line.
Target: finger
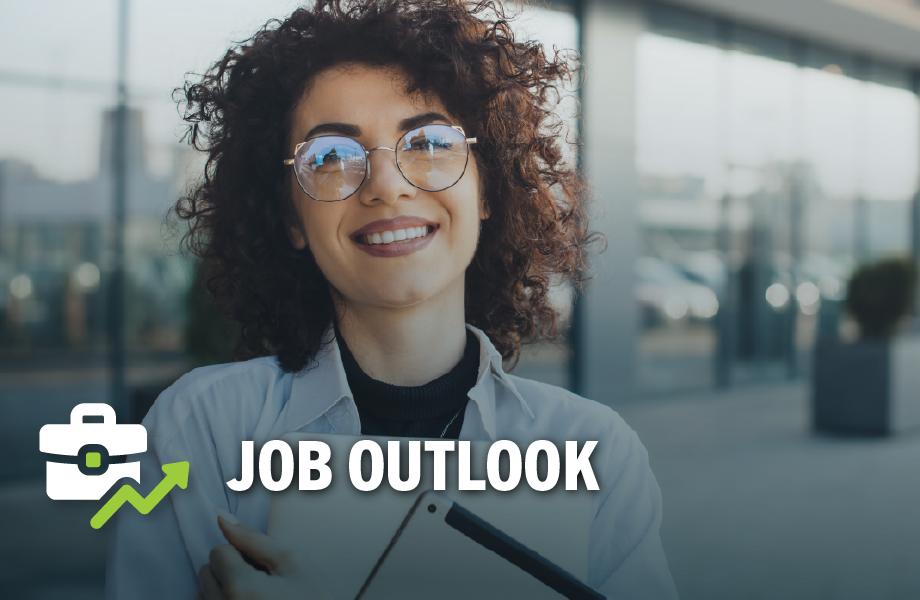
[228, 567]
[208, 587]
[255, 545]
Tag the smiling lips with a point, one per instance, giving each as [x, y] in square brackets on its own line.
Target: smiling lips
[395, 237]
[391, 237]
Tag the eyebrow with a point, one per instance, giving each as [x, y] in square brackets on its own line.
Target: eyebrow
[422, 119]
[355, 131]
[340, 128]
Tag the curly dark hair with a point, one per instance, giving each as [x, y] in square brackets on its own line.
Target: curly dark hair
[502, 90]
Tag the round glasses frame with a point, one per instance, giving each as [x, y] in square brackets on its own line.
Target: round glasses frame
[367, 162]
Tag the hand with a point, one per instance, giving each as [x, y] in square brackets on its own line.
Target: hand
[255, 566]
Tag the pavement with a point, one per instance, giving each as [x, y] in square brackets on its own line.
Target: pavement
[758, 507]
[755, 505]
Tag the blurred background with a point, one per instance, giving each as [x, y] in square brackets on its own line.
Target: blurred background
[756, 167]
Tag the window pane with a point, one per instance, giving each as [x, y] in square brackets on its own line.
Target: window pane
[757, 177]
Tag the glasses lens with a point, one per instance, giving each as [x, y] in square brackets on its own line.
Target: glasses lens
[432, 157]
[330, 168]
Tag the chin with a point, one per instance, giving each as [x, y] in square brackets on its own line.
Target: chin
[397, 296]
[401, 287]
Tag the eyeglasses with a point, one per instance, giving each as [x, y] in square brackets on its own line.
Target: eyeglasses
[330, 168]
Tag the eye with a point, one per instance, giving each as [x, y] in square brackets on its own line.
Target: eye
[420, 143]
[330, 158]
[430, 143]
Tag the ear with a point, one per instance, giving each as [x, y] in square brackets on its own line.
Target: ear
[298, 239]
[484, 211]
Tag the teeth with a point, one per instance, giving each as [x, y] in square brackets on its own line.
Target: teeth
[398, 235]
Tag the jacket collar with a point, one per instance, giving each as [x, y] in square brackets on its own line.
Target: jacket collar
[321, 389]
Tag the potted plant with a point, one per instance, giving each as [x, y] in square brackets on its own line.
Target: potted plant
[872, 385]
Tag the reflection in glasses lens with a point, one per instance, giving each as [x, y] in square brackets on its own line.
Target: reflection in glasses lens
[433, 157]
[331, 168]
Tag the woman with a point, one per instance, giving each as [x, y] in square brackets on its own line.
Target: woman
[384, 204]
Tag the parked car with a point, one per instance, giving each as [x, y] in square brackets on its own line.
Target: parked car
[666, 295]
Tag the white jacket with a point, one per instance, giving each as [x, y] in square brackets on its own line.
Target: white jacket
[207, 413]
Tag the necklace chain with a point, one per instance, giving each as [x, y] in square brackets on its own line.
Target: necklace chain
[451, 422]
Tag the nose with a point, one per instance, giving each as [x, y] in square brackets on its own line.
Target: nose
[384, 182]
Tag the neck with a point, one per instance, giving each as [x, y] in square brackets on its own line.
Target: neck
[406, 346]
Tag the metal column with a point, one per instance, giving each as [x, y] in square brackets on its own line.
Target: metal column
[117, 343]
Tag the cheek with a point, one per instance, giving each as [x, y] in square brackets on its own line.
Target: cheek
[321, 222]
[466, 214]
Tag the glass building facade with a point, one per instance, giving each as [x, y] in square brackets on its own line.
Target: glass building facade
[767, 168]
[741, 173]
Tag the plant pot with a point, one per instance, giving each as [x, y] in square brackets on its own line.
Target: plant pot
[867, 387]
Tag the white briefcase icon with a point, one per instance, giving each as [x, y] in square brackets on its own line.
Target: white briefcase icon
[92, 444]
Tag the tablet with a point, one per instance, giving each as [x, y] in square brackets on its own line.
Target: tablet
[342, 532]
[444, 551]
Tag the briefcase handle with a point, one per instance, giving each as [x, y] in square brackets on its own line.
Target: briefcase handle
[92, 409]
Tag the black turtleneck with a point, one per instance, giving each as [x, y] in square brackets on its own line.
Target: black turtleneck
[413, 411]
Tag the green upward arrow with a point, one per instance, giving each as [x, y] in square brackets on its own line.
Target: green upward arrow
[176, 474]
